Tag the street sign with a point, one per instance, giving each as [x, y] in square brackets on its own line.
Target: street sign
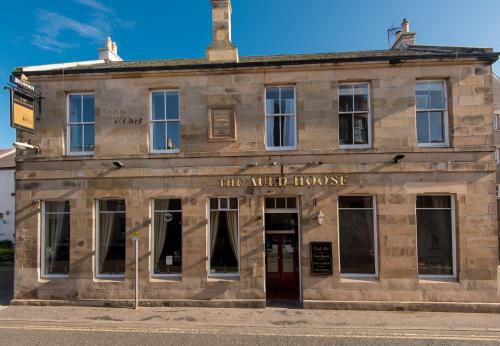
[22, 111]
[136, 235]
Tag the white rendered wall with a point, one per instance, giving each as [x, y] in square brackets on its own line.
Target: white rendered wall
[7, 204]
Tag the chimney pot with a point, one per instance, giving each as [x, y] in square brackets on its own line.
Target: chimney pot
[405, 25]
[110, 51]
[115, 48]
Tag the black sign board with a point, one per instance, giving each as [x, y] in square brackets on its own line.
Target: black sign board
[321, 258]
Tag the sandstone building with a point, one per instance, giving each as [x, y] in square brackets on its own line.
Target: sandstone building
[354, 179]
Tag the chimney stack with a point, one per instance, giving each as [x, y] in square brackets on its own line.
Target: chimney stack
[221, 49]
[404, 38]
[110, 52]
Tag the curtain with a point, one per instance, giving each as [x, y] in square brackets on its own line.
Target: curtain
[160, 228]
[55, 231]
[270, 132]
[232, 230]
[288, 130]
[214, 228]
[107, 221]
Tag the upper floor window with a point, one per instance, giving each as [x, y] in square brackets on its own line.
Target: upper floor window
[432, 113]
[354, 115]
[81, 122]
[281, 126]
[165, 123]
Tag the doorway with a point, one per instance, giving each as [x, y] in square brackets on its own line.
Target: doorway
[282, 249]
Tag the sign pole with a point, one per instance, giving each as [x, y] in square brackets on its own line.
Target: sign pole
[135, 238]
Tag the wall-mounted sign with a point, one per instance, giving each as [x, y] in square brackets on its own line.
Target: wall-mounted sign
[321, 258]
[222, 124]
[22, 111]
[282, 181]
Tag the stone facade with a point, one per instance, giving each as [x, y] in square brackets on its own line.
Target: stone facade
[465, 169]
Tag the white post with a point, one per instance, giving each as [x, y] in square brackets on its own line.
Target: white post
[136, 242]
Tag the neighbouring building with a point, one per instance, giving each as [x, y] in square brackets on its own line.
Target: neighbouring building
[341, 180]
[7, 194]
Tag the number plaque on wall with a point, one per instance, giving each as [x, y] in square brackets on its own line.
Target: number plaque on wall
[222, 124]
[321, 258]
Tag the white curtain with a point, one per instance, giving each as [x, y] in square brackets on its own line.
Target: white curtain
[55, 232]
[270, 132]
[214, 228]
[106, 226]
[288, 130]
[232, 230]
[160, 228]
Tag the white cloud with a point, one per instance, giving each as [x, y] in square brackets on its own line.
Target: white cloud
[96, 5]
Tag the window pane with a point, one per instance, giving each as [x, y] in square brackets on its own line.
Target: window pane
[361, 97]
[214, 203]
[88, 138]
[355, 202]
[436, 91]
[223, 203]
[167, 249]
[224, 240]
[422, 96]
[433, 202]
[158, 105]
[272, 101]
[346, 98]
[281, 221]
[112, 205]
[280, 202]
[288, 131]
[291, 202]
[233, 203]
[287, 100]
[159, 136]
[345, 129]
[273, 131]
[435, 254]
[56, 247]
[172, 99]
[356, 238]
[88, 108]
[270, 203]
[173, 135]
[111, 241]
[75, 138]
[422, 127]
[437, 128]
[75, 108]
[360, 129]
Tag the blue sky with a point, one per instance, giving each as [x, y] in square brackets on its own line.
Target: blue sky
[40, 32]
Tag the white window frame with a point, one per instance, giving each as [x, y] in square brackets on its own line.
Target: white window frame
[69, 152]
[369, 115]
[166, 121]
[497, 156]
[223, 275]
[375, 237]
[43, 275]
[446, 129]
[453, 239]
[96, 250]
[284, 148]
[152, 237]
[496, 125]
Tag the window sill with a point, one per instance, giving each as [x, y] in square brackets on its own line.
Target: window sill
[224, 278]
[50, 278]
[110, 278]
[359, 280]
[433, 145]
[280, 148]
[355, 146]
[166, 278]
[437, 280]
[154, 152]
[83, 153]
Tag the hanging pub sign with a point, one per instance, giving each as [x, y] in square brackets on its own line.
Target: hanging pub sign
[321, 258]
[24, 99]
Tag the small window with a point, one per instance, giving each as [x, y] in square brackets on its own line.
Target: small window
[281, 203]
[81, 123]
[165, 121]
[167, 236]
[110, 242]
[436, 236]
[495, 121]
[357, 236]
[55, 239]
[224, 236]
[281, 128]
[432, 114]
[354, 115]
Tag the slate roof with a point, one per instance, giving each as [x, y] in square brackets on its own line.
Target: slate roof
[415, 52]
[7, 158]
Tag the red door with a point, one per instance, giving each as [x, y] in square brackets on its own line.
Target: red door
[281, 266]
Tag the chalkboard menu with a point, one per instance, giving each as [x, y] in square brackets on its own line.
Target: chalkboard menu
[321, 258]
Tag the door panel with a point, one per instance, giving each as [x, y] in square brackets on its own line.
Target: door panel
[281, 266]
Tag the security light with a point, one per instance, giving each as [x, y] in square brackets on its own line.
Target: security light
[118, 164]
[398, 158]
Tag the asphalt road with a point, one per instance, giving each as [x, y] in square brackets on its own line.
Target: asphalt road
[26, 336]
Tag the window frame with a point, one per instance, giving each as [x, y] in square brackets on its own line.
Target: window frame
[282, 148]
[96, 242]
[496, 120]
[454, 276]
[152, 239]
[152, 150]
[497, 156]
[369, 115]
[446, 130]
[375, 238]
[238, 255]
[43, 275]
[69, 152]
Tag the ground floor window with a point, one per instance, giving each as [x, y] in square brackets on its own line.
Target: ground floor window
[357, 236]
[55, 238]
[224, 236]
[436, 236]
[110, 240]
[167, 236]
